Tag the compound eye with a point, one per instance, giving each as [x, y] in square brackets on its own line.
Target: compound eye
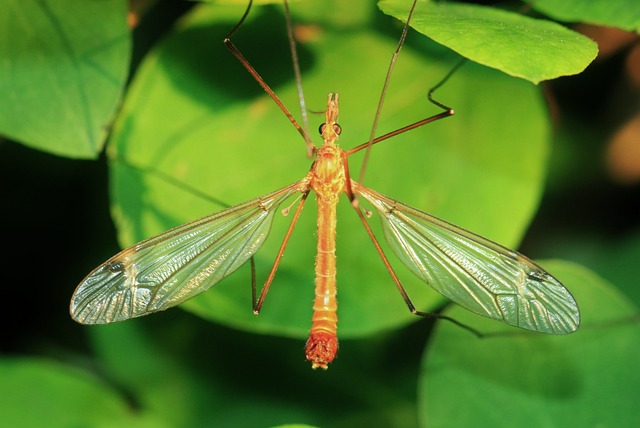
[336, 128]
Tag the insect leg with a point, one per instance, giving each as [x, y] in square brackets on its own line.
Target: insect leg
[229, 44]
[257, 304]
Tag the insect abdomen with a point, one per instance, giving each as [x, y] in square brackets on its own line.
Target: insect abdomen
[322, 345]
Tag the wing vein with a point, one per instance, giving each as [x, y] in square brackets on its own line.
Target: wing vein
[475, 272]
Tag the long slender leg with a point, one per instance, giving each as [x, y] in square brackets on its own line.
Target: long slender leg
[257, 304]
[383, 93]
[448, 111]
[298, 77]
[400, 131]
[229, 44]
[253, 283]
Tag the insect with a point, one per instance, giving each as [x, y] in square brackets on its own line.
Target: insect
[476, 273]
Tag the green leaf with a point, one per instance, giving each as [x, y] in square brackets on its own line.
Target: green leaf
[64, 65]
[196, 116]
[152, 371]
[624, 14]
[533, 379]
[37, 392]
[532, 49]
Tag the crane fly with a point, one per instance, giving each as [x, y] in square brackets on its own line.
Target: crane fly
[472, 271]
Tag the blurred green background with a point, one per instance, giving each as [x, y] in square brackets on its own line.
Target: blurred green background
[552, 170]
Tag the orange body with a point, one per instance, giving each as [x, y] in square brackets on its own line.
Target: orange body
[328, 179]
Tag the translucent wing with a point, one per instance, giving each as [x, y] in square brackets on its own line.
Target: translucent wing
[476, 273]
[167, 269]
